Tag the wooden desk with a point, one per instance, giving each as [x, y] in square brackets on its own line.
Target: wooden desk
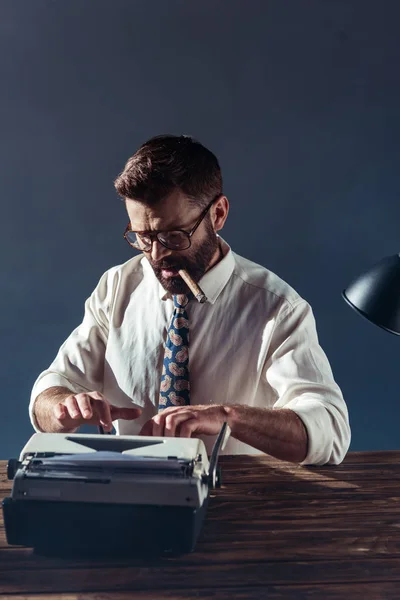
[274, 530]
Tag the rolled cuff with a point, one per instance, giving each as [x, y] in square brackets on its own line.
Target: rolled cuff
[324, 444]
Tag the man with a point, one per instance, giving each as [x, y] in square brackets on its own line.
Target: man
[152, 360]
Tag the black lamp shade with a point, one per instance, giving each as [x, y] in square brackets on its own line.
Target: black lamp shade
[376, 294]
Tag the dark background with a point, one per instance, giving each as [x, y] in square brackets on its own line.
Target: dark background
[298, 99]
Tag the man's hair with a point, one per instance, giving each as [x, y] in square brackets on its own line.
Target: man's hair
[168, 162]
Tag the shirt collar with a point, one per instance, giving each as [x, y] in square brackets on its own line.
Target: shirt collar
[213, 281]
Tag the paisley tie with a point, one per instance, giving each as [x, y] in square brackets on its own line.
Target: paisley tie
[175, 386]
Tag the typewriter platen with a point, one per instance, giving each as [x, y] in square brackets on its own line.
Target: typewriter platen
[98, 493]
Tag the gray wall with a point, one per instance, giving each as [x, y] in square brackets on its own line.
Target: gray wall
[298, 98]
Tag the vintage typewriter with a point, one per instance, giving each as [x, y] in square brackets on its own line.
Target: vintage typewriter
[110, 494]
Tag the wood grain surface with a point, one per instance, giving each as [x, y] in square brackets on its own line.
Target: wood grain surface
[273, 530]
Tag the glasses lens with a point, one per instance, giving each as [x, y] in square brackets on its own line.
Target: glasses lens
[130, 237]
[142, 241]
[174, 240]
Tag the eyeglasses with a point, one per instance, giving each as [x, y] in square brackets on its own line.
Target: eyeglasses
[176, 239]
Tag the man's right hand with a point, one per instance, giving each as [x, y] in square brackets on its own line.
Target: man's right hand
[91, 408]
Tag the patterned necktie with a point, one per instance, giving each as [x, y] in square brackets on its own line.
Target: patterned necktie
[175, 386]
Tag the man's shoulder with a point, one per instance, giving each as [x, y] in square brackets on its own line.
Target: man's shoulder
[262, 281]
[127, 274]
[130, 267]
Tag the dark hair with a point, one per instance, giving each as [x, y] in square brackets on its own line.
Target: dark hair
[168, 162]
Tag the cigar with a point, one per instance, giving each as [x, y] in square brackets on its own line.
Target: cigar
[192, 285]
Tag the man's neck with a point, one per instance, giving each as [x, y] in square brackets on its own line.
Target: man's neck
[218, 256]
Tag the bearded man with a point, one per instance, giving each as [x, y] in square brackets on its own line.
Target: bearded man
[149, 359]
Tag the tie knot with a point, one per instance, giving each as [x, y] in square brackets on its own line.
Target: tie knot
[181, 300]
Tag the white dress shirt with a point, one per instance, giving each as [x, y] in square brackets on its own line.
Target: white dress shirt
[253, 342]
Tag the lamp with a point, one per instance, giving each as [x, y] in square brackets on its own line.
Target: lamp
[376, 294]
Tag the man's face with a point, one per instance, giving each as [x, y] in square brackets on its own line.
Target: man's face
[175, 212]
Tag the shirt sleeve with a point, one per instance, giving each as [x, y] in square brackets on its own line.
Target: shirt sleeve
[299, 372]
[79, 364]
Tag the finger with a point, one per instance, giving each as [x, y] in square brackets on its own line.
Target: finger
[72, 407]
[103, 411]
[96, 395]
[129, 414]
[158, 425]
[159, 420]
[99, 413]
[174, 420]
[84, 402]
[188, 428]
[60, 412]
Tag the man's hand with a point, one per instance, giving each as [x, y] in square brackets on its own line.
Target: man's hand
[91, 408]
[186, 421]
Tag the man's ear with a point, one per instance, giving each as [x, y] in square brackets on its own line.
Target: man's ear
[220, 213]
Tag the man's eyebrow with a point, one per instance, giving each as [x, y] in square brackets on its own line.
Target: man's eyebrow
[155, 230]
[175, 228]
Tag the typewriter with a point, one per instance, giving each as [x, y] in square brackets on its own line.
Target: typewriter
[110, 494]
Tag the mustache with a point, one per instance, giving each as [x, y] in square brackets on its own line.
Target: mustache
[167, 265]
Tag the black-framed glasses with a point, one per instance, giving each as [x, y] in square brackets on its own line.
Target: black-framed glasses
[176, 239]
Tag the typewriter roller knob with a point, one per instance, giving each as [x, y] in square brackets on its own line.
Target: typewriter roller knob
[12, 467]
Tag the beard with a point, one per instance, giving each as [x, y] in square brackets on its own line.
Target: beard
[195, 261]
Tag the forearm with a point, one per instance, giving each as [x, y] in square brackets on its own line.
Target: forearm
[280, 432]
[43, 409]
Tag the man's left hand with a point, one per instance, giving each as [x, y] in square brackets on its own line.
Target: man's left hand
[186, 421]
